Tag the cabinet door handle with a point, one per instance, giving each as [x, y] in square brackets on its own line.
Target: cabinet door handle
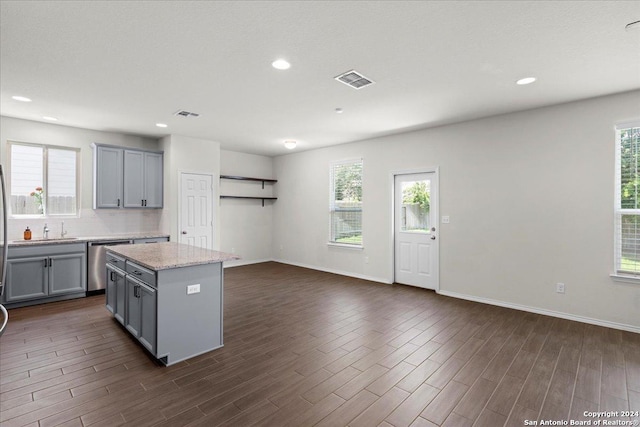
[111, 276]
[50, 262]
[118, 202]
[45, 263]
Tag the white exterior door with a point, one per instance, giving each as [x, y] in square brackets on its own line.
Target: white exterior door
[415, 229]
[196, 210]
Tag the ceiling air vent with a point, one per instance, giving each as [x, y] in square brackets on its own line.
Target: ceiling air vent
[184, 113]
[354, 79]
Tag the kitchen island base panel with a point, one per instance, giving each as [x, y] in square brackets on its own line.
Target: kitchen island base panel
[173, 297]
[164, 360]
[189, 325]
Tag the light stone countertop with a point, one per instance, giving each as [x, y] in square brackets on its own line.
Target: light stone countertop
[84, 239]
[166, 255]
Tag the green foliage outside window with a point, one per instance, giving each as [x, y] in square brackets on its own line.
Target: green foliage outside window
[348, 183]
[417, 194]
[630, 168]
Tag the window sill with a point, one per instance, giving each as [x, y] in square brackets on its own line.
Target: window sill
[344, 245]
[625, 278]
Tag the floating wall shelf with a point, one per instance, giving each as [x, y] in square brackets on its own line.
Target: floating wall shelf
[245, 178]
[249, 197]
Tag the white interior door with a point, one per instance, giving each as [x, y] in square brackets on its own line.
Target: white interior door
[415, 229]
[196, 210]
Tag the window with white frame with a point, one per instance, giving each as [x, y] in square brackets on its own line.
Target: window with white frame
[627, 204]
[43, 180]
[345, 204]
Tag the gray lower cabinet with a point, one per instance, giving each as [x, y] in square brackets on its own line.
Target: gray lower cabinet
[116, 293]
[66, 273]
[27, 278]
[141, 312]
[46, 272]
[132, 298]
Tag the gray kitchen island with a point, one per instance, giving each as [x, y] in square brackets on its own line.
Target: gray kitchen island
[169, 296]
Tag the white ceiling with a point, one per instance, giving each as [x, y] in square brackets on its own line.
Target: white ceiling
[124, 66]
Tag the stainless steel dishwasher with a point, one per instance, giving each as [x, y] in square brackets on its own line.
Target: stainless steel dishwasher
[97, 264]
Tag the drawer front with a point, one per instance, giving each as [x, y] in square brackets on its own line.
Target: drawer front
[151, 240]
[115, 260]
[143, 274]
[45, 250]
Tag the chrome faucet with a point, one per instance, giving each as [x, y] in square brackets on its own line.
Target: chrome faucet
[45, 232]
[62, 231]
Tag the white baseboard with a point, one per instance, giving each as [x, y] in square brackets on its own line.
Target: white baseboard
[241, 262]
[589, 320]
[340, 272]
[598, 322]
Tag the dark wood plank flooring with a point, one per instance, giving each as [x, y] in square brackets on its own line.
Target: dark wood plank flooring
[309, 348]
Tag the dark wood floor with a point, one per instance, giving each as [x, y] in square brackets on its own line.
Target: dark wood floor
[308, 348]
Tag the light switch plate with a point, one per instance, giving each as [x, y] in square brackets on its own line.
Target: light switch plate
[193, 289]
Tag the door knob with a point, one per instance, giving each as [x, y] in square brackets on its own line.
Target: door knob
[184, 232]
[433, 237]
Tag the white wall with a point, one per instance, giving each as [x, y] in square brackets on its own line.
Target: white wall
[191, 155]
[530, 197]
[89, 222]
[245, 225]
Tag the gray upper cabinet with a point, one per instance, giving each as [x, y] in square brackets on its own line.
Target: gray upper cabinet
[107, 177]
[153, 180]
[127, 178]
[134, 179]
[142, 179]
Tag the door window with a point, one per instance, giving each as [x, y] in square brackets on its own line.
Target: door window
[416, 205]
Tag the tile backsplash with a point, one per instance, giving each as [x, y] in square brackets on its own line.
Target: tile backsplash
[99, 222]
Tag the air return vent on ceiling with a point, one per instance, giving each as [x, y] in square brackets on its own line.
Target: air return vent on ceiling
[185, 113]
[354, 79]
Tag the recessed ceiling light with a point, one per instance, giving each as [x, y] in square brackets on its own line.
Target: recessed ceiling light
[339, 110]
[290, 144]
[161, 125]
[51, 119]
[526, 81]
[280, 64]
[21, 98]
